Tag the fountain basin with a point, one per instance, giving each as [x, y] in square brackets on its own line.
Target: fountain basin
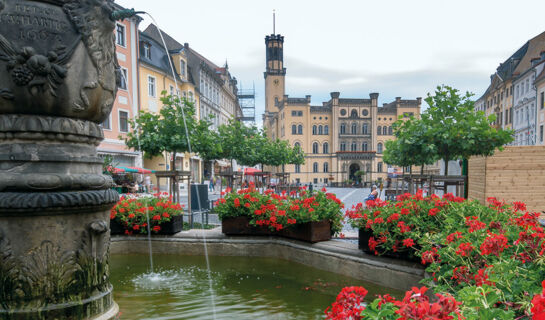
[340, 257]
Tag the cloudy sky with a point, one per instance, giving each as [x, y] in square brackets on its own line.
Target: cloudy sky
[394, 47]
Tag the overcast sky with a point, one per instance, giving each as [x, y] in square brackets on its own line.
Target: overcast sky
[397, 48]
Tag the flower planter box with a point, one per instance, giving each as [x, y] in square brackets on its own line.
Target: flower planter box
[314, 231]
[241, 226]
[310, 232]
[173, 226]
[363, 244]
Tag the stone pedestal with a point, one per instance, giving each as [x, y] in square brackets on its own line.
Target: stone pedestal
[57, 83]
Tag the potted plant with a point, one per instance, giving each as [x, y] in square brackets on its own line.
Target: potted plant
[300, 215]
[131, 214]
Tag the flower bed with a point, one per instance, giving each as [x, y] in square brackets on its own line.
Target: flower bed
[128, 216]
[303, 215]
[471, 250]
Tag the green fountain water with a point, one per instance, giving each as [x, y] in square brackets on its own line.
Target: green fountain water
[246, 288]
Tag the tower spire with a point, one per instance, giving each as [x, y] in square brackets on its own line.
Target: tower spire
[274, 22]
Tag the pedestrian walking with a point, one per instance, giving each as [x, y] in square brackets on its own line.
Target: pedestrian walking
[212, 182]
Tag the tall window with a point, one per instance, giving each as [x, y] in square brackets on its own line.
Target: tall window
[171, 89]
[300, 129]
[379, 167]
[343, 146]
[379, 130]
[182, 68]
[314, 129]
[320, 129]
[364, 146]
[326, 167]
[390, 130]
[385, 130]
[364, 129]
[120, 35]
[354, 113]
[297, 168]
[354, 129]
[297, 144]
[343, 128]
[326, 129]
[147, 50]
[123, 121]
[541, 133]
[379, 147]
[315, 147]
[294, 113]
[542, 104]
[151, 86]
[191, 96]
[315, 167]
[325, 148]
[293, 129]
[124, 77]
[353, 147]
[107, 125]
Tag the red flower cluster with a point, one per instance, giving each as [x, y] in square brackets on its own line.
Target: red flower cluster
[416, 305]
[538, 304]
[349, 304]
[494, 244]
[474, 224]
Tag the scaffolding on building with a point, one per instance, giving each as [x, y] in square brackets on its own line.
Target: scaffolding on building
[246, 99]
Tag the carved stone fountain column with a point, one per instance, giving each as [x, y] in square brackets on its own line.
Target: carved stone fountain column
[57, 83]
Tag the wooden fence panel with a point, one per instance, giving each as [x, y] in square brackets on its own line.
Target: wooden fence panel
[515, 174]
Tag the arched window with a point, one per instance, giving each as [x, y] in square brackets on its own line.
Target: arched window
[390, 130]
[385, 130]
[325, 148]
[343, 128]
[379, 147]
[368, 167]
[326, 167]
[300, 129]
[315, 147]
[353, 147]
[297, 168]
[379, 130]
[379, 167]
[354, 113]
[364, 129]
[320, 129]
[297, 144]
[354, 129]
[343, 146]
[364, 146]
[326, 129]
[315, 167]
[293, 129]
[314, 129]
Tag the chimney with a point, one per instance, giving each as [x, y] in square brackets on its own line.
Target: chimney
[308, 98]
[335, 95]
[373, 95]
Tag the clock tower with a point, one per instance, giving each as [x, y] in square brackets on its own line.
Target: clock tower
[275, 73]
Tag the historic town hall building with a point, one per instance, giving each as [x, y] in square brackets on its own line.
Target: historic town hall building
[339, 137]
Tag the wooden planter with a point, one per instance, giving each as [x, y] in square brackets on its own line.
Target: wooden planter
[173, 226]
[241, 226]
[363, 244]
[310, 232]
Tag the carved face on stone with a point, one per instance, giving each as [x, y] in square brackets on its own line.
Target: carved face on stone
[57, 58]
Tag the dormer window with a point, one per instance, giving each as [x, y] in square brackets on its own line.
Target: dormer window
[182, 68]
[147, 50]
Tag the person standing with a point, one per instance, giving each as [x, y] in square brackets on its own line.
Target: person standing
[212, 182]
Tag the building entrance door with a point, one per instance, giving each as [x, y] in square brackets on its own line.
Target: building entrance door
[354, 167]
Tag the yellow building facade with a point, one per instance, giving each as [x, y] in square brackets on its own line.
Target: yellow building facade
[341, 137]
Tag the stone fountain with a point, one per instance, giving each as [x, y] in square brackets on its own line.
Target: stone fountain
[57, 84]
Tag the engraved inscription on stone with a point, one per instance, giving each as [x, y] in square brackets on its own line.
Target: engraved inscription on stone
[47, 27]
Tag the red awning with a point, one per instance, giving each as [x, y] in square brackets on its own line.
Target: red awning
[251, 171]
[140, 170]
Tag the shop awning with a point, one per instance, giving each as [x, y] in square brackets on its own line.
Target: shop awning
[120, 169]
[251, 171]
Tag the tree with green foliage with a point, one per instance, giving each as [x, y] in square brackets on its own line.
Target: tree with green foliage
[174, 129]
[458, 132]
[412, 145]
